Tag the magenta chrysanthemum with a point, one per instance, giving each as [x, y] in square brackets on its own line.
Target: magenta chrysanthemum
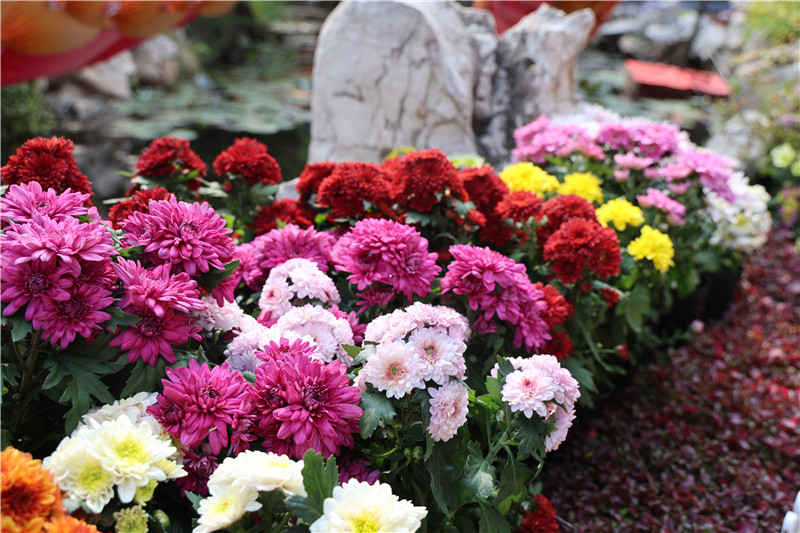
[199, 403]
[155, 336]
[475, 271]
[277, 350]
[30, 282]
[449, 406]
[305, 404]
[21, 202]
[385, 251]
[156, 289]
[80, 314]
[280, 245]
[199, 468]
[192, 237]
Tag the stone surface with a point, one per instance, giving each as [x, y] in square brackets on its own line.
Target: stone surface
[111, 77]
[390, 74]
[157, 61]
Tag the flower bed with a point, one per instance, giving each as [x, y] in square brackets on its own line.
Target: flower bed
[402, 345]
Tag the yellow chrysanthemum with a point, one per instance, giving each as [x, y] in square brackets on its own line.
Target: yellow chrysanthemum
[28, 495]
[655, 246]
[526, 176]
[621, 212]
[582, 184]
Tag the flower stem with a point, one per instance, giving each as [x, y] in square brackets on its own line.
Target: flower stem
[27, 378]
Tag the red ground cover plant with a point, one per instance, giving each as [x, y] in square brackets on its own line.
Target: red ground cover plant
[706, 438]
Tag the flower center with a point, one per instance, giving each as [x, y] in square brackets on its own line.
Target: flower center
[396, 369]
[149, 325]
[130, 452]
[42, 205]
[188, 230]
[365, 523]
[314, 397]
[93, 478]
[36, 283]
[73, 308]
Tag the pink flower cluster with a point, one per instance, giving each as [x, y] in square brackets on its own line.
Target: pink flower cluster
[55, 266]
[295, 281]
[542, 138]
[500, 287]
[540, 385]
[658, 199]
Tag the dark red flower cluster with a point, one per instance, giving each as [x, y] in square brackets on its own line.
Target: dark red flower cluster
[249, 159]
[288, 211]
[49, 162]
[138, 203]
[559, 309]
[610, 296]
[419, 177]
[520, 206]
[560, 209]
[350, 185]
[312, 177]
[487, 190]
[560, 345]
[580, 244]
[170, 156]
[542, 520]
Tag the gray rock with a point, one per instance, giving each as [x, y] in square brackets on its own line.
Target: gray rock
[111, 77]
[157, 61]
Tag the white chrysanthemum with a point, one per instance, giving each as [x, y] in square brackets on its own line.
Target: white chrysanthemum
[393, 368]
[357, 506]
[454, 323]
[306, 280]
[328, 331]
[439, 355]
[260, 471]
[528, 390]
[276, 297]
[135, 408]
[391, 327]
[224, 318]
[742, 225]
[563, 421]
[81, 474]
[253, 336]
[129, 452]
[224, 507]
[449, 406]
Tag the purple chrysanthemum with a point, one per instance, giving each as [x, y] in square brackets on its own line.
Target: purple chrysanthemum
[21, 202]
[156, 289]
[80, 314]
[305, 404]
[191, 237]
[30, 282]
[199, 467]
[155, 336]
[475, 271]
[385, 251]
[199, 403]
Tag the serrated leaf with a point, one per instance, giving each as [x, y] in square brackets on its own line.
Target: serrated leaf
[377, 409]
[145, 377]
[214, 277]
[634, 306]
[491, 520]
[478, 479]
[531, 436]
[120, 318]
[513, 486]
[445, 465]
[319, 479]
[20, 328]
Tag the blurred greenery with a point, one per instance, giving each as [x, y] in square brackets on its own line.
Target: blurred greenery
[778, 21]
[25, 115]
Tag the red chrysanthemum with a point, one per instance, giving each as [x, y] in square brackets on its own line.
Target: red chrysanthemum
[49, 162]
[520, 206]
[305, 404]
[138, 203]
[288, 211]
[611, 296]
[249, 159]
[421, 176]
[560, 209]
[311, 177]
[170, 156]
[350, 185]
[560, 345]
[559, 309]
[495, 232]
[484, 187]
[579, 244]
[542, 520]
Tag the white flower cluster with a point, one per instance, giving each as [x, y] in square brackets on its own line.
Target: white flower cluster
[235, 485]
[297, 279]
[742, 225]
[540, 385]
[225, 318]
[118, 446]
[791, 522]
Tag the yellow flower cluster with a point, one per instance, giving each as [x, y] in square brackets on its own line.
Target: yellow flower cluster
[621, 212]
[655, 246]
[582, 184]
[526, 176]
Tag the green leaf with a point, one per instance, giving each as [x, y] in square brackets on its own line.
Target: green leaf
[445, 466]
[352, 351]
[319, 479]
[634, 306]
[513, 486]
[214, 277]
[491, 520]
[478, 478]
[531, 436]
[20, 328]
[120, 318]
[145, 378]
[377, 409]
[194, 499]
[580, 373]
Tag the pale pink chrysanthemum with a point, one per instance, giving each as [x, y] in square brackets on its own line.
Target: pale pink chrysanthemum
[673, 208]
[475, 271]
[390, 327]
[277, 350]
[307, 280]
[240, 352]
[388, 252]
[275, 300]
[441, 317]
[567, 392]
[30, 282]
[563, 421]
[192, 237]
[440, 357]
[207, 400]
[81, 314]
[279, 245]
[629, 161]
[328, 331]
[213, 316]
[154, 336]
[449, 406]
[394, 369]
[528, 391]
[22, 201]
[305, 404]
[156, 288]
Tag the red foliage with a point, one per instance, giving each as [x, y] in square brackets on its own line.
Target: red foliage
[48, 161]
[707, 438]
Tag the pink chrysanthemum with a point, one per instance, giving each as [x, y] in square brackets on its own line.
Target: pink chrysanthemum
[156, 289]
[278, 350]
[390, 327]
[214, 316]
[440, 356]
[155, 336]
[30, 282]
[191, 237]
[449, 406]
[199, 403]
[328, 331]
[357, 327]
[22, 202]
[249, 270]
[475, 271]
[375, 296]
[673, 208]
[308, 282]
[240, 352]
[441, 318]
[393, 368]
[275, 301]
[563, 421]
[280, 245]
[80, 314]
[358, 469]
[305, 404]
[385, 251]
[528, 391]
